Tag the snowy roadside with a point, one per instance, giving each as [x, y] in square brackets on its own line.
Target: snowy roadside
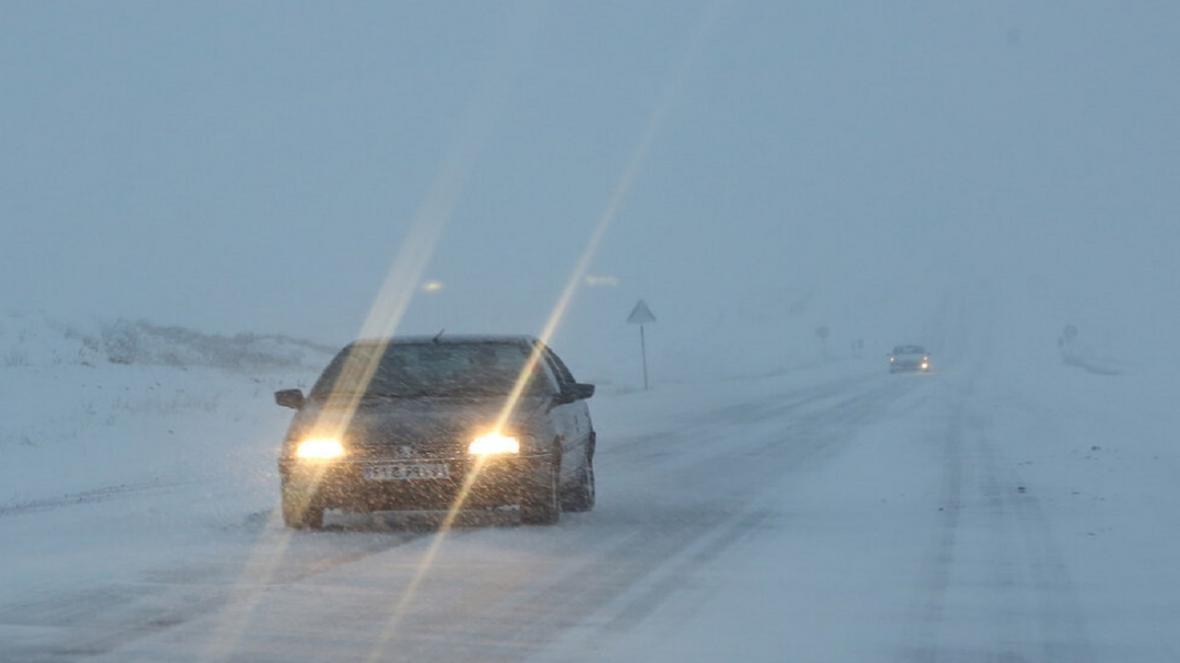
[78, 430]
[1097, 459]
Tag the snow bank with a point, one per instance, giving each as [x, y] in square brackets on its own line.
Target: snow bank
[34, 339]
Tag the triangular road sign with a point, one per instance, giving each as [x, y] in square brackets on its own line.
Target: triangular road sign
[641, 314]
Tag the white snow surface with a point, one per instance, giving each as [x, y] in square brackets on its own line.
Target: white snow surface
[1008, 507]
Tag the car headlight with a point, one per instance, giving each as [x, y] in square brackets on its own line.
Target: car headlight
[491, 444]
[319, 449]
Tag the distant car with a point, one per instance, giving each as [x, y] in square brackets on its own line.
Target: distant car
[417, 423]
[909, 358]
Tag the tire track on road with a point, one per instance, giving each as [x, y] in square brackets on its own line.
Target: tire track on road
[100, 620]
[1060, 622]
[940, 561]
[994, 552]
[636, 588]
[92, 496]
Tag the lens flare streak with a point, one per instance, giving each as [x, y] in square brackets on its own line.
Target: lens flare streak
[576, 277]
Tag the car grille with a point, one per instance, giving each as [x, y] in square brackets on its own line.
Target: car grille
[394, 449]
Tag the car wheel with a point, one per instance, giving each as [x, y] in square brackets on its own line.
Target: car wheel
[580, 497]
[297, 514]
[543, 506]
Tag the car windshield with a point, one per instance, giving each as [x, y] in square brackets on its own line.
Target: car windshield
[909, 350]
[408, 370]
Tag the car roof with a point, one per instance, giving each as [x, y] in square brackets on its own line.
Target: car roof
[909, 349]
[449, 339]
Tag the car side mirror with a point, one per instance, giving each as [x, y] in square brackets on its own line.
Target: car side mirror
[576, 392]
[581, 391]
[292, 398]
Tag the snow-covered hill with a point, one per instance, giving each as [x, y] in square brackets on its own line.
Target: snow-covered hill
[36, 339]
[93, 410]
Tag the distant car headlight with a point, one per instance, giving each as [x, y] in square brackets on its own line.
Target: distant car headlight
[319, 449]
[892, 359]
[491, 444]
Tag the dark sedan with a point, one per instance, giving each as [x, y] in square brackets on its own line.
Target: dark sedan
[438, 424]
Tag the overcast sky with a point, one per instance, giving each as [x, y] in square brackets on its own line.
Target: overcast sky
[257, 165]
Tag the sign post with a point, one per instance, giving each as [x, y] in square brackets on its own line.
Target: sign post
[823, 332]
[641, 315]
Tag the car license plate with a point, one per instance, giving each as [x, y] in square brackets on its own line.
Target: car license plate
[405, 472]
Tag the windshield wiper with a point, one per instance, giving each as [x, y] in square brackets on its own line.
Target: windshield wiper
[455, 393]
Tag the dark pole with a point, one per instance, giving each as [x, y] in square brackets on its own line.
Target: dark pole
[643, 350]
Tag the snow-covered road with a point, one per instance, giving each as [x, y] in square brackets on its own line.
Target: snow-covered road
[832, 514]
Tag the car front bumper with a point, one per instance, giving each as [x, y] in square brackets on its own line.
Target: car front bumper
[498, 481]
[908, 366]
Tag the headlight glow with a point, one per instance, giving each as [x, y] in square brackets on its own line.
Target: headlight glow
[494, 443]
[319, 449]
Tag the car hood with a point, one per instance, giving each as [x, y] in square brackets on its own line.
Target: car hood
[427, 425]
